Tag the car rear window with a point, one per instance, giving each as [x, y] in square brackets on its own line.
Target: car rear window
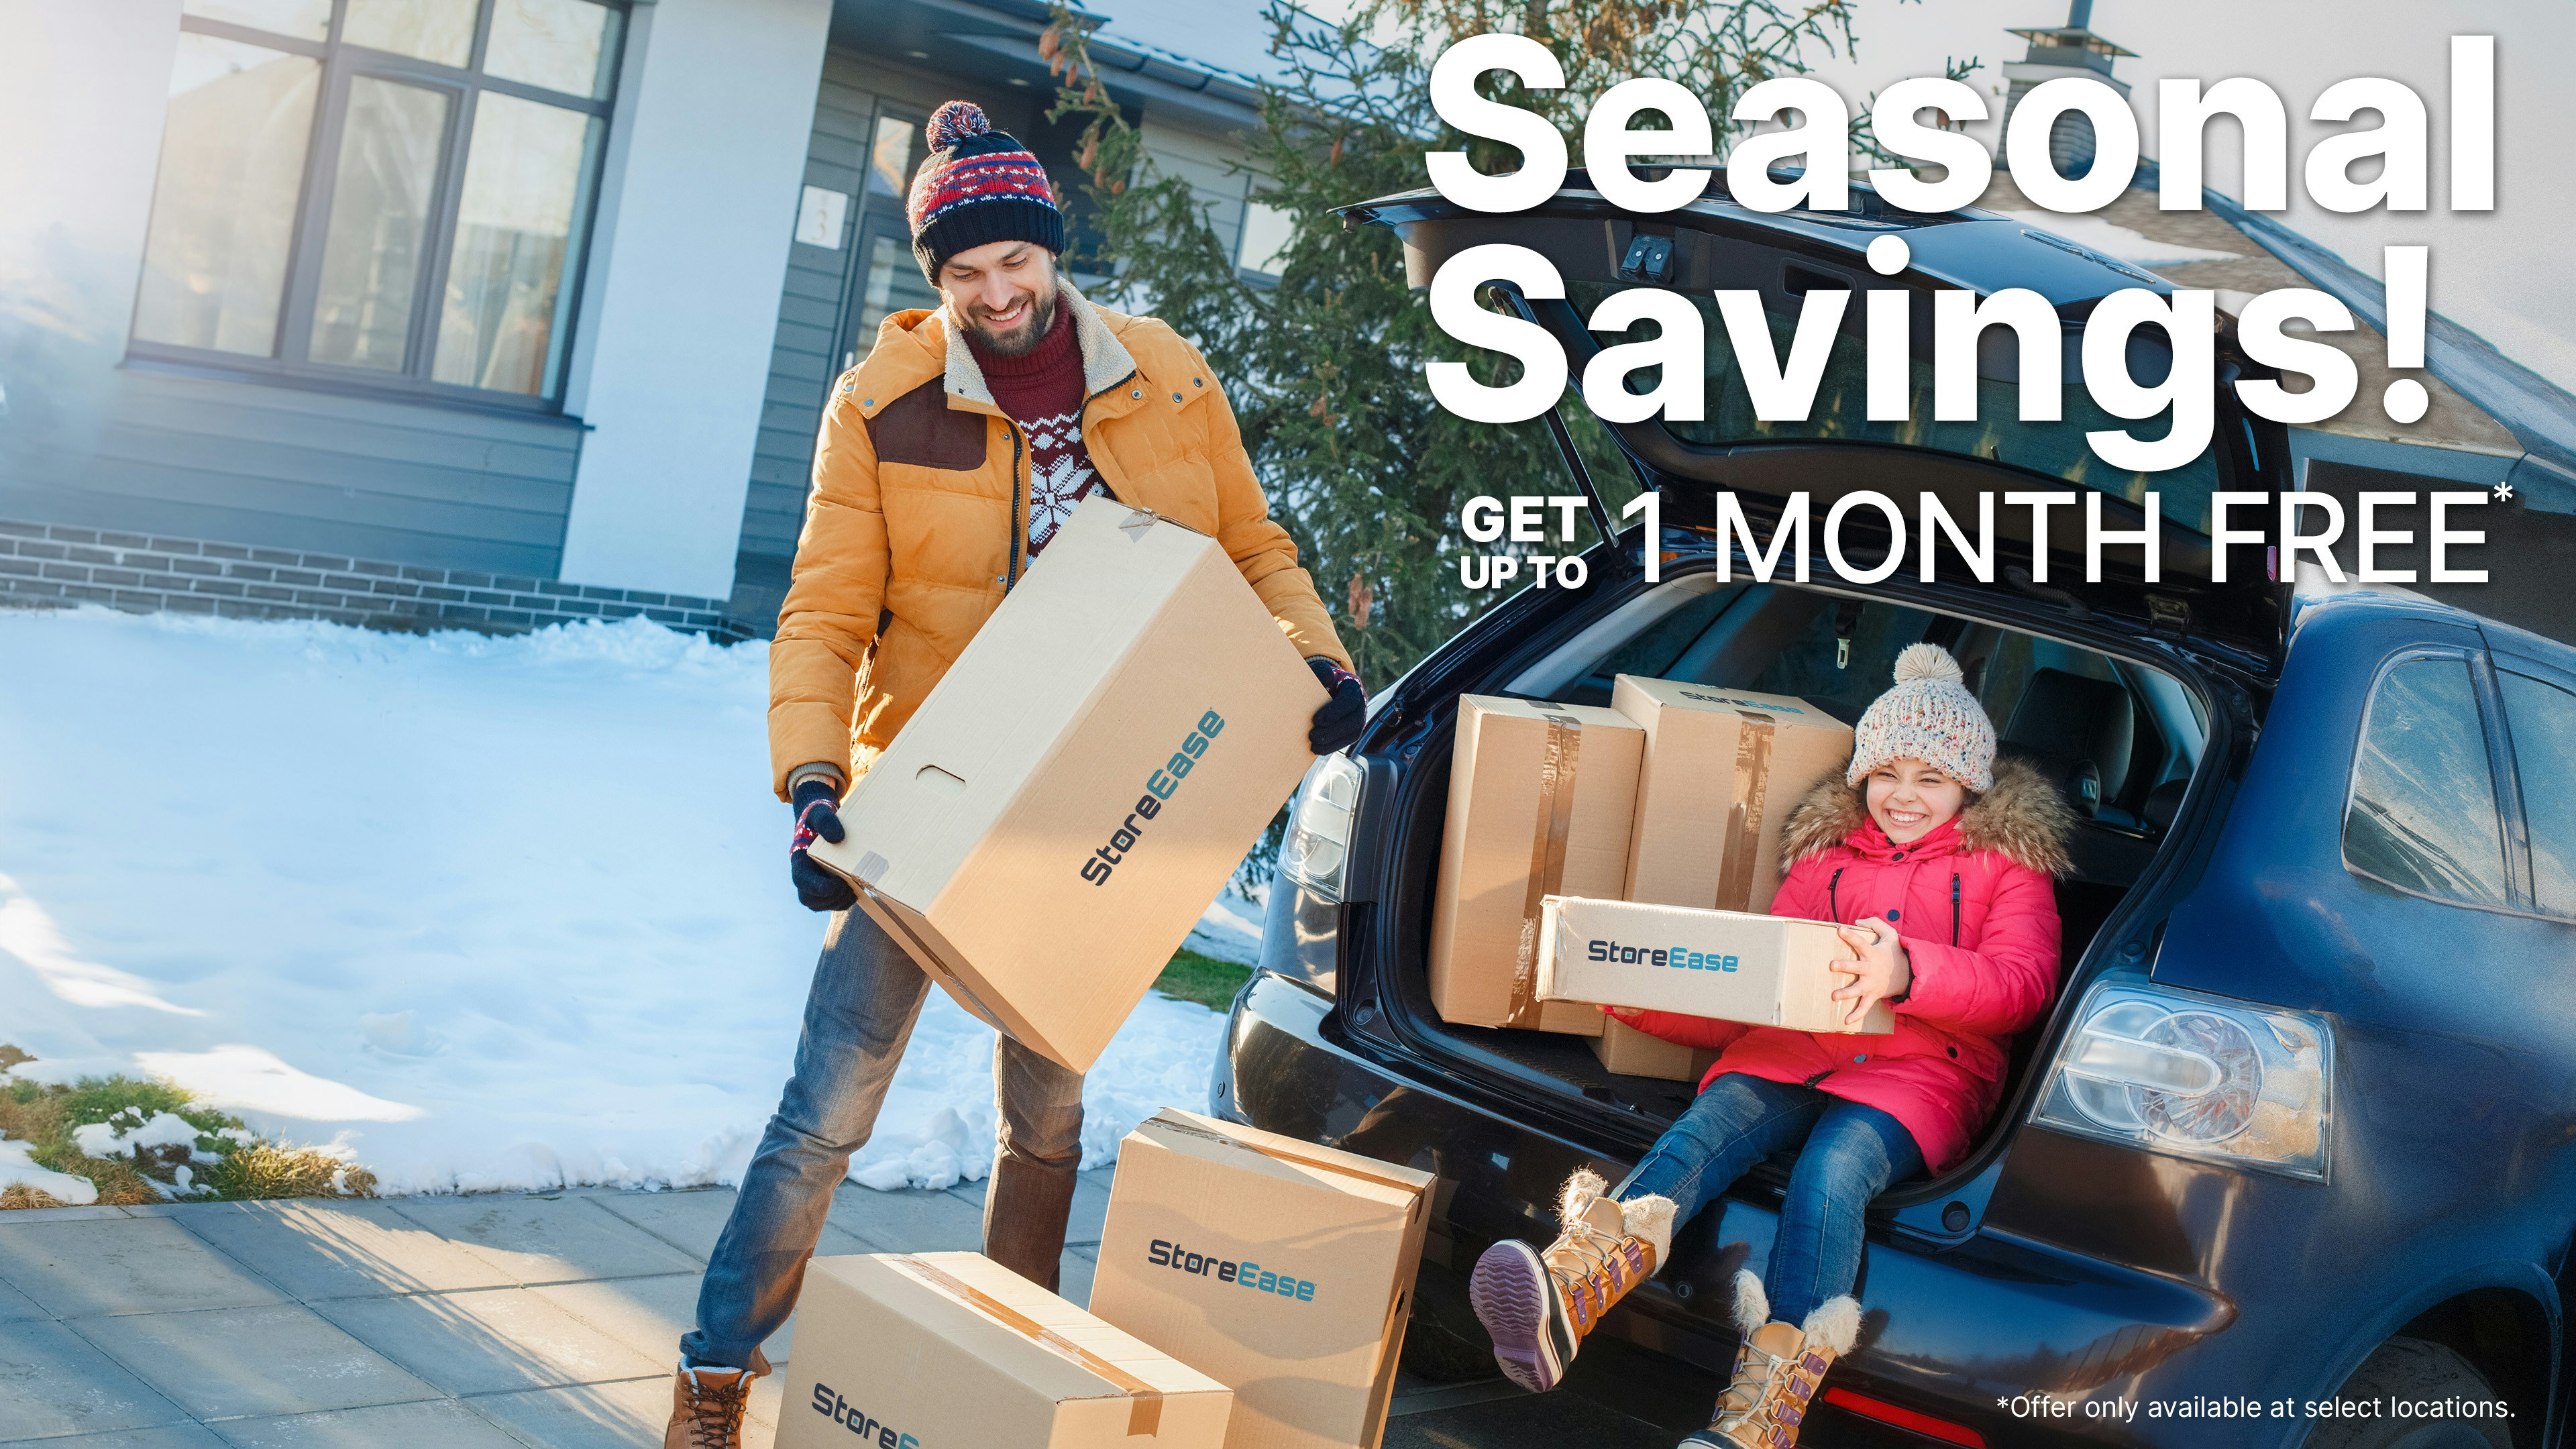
[2423, 813]
[1838, 654]
[1843, 672]
[2057, 449]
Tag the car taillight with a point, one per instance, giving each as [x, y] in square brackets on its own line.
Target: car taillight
[2195, 1076]
[1319, 826]
[1915, 1420]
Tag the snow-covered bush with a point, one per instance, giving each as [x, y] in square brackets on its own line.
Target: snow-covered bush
[133, 1140]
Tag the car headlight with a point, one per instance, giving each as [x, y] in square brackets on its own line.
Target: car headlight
[2195, 1076]
[1319, 825]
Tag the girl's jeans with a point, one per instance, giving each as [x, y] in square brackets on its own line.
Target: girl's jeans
[1851, 1154]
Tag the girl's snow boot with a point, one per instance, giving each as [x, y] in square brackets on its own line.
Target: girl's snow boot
[1538, 1304]
[1776, 1370]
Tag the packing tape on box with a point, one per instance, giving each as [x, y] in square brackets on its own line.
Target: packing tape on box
[1280, 1155]
[1141, 520]
[1744, 817]
[1547, 856]
[1145, 1410]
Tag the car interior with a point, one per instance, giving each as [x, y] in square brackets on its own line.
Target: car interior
[2119, 741]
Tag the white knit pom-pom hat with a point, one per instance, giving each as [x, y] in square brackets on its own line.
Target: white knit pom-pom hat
[1929, 716]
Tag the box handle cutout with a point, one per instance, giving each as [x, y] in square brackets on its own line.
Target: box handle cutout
[939, 780]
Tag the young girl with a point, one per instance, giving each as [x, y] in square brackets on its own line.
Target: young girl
[1940, 860]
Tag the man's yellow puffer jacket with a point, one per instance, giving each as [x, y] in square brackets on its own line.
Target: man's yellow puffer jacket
[918, 522]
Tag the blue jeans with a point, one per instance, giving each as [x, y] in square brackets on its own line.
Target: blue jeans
[1851, 1154]
[866, 995]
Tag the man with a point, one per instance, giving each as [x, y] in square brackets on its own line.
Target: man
[947, 460]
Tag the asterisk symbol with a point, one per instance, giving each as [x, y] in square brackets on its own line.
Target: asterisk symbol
[2503, 492]
[2001, 1401]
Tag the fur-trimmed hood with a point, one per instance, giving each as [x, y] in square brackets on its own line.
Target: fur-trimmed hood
[1106, 362]
[2022, 817]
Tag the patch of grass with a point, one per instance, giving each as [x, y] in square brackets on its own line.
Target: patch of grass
[274, 1169]
[226, 1161]
[1203, 979]
[95, 1099]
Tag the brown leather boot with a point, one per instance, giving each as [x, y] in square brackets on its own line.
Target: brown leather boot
[706, 1408]
[1537, 1304]
[1778, 1370]
[1025, 1210]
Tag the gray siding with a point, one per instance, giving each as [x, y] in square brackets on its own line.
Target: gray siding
[814, 320]
[295, 469]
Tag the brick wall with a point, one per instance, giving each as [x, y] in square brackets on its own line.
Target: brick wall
[48, 565]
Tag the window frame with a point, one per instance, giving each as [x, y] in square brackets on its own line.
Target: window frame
[2507, 804]
[2519, 826]
[342, 63]
[873, 216]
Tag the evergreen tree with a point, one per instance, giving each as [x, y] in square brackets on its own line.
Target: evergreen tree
[1325, 368]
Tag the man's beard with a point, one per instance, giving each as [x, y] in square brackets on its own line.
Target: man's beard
[1022, 340]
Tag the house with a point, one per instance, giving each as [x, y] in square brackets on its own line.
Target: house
[2064, 52]
[490, 313]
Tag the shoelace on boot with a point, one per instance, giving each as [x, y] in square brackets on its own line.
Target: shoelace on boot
[715, 1412]
[1605, 1268]
[1745, 1397]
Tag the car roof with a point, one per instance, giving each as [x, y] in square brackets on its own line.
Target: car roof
[2481, 401]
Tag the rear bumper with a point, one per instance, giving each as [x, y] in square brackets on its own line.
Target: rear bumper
[1946, 1331]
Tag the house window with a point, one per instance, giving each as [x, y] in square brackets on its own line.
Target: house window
[889, 278]
[1267, 231]
[387, 192]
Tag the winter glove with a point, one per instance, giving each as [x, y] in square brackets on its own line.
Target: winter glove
[1337, 724]
[817, 813]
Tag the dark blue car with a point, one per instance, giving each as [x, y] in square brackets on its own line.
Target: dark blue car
[2302, 1123]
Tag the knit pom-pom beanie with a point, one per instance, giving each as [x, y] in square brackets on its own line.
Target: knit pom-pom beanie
[954, 122]
[977, 186]
[1929, 716]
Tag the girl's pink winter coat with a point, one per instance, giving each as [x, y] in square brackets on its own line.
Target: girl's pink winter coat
[1973, 902]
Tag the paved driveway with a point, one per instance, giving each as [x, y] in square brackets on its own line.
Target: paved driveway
[485, 1322]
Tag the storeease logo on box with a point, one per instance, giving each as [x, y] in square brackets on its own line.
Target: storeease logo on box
[841, 1411]
[1096, 867]
[1250, 1275]
[1676, 957]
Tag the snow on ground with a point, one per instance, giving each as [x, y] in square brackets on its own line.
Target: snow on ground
[1231, 929]
[492, 913]
[18, 1169]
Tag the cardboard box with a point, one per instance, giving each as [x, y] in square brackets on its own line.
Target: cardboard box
[1539, 802]
[1055, 817]
[1732, 965]
[920, 1351]
[1723, 768]
[1282, 1268]
[1633, 1053]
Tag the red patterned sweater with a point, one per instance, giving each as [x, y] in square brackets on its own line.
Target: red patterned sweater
[1041, 390]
